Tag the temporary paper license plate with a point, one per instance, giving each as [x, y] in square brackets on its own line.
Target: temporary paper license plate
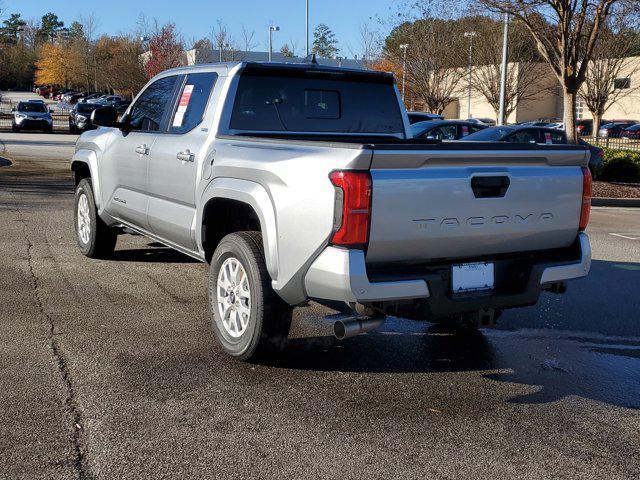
[471, 277]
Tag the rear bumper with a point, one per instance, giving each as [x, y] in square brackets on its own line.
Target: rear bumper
[342, 275]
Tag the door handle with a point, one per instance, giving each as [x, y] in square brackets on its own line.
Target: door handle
[142, 149]
[186, 156]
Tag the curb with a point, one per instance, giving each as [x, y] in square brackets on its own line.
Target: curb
[615, 202]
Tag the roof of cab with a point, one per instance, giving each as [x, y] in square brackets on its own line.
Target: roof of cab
[228, 66]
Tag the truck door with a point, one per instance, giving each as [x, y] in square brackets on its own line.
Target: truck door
[124, 174]
[173, 166]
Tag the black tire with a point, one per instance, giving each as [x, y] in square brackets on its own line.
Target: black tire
[48, 130]
[72, 128]
[269, 317]
[15, 129]
[101, 239]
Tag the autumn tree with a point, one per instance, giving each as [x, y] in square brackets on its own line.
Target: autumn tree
[166, 50]
[120, 67]
[566, 34]
[613, 62]
[324, 42]
[52, 65]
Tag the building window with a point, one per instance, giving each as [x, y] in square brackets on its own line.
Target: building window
[580, 108]
[622, 83]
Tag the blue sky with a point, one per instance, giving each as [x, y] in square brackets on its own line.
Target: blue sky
[195, 18]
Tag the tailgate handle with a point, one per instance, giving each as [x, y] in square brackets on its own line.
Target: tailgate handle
[490, 186]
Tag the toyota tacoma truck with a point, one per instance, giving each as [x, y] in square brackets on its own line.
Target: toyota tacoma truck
[301, 182]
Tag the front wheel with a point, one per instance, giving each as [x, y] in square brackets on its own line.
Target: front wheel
[95, 238]
[249, 319]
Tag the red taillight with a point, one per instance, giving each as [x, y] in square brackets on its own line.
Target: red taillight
[586, 199]
[353, 208]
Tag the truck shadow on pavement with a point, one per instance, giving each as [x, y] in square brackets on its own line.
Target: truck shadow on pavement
[556, 365]
[157, 254]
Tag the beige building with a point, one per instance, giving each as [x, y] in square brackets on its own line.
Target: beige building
[547, 103]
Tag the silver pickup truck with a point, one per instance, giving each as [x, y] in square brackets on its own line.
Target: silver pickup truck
[301, 182]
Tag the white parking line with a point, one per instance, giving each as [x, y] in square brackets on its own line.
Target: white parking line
[624, 236]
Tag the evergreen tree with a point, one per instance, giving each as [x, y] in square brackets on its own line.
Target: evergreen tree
[324, 42]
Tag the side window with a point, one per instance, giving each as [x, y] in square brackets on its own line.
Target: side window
[445, 132]
[192, 102]
[449, 132]
[149, 109]
[555, 138]
[523, 136]
[468, 130]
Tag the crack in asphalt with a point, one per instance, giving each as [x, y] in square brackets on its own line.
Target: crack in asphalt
[77, 428]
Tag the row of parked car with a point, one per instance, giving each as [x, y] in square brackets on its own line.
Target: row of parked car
[474, 131]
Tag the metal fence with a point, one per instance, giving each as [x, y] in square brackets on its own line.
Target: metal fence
[612, 142]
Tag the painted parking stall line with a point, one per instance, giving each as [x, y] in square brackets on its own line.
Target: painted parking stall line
[627, 237]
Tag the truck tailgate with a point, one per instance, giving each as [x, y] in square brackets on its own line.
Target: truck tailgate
[448, 203]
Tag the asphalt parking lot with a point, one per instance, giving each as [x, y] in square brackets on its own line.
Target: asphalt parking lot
[109, 369]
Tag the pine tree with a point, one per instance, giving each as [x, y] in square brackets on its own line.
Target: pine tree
[324, 42]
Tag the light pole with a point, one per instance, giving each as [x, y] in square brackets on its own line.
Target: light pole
[307, 30]
[272, 28]
[503, 71]
[470, 36]
[404, 47]
[222, 46]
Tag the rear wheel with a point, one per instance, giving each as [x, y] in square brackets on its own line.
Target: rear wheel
[249, 319]
[95, 238]
[15, 129]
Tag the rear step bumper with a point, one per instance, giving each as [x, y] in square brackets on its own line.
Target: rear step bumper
[341, 275]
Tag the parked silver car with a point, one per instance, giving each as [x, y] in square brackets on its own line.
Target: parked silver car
[299, 182]
[30, 115]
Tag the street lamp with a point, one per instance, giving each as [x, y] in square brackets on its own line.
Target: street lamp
[470, 36]
[307, 29]
[503, 71]
[272, 28]
[404, 47]
[221, 47]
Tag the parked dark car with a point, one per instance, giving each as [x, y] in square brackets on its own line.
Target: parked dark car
[80, 117]
[415, 117]
[615, 128]
[91, 96]
[585, 126]
[75, 98]
[538, 135]
[31, 116]
[121, 106]
[444, 129]
[632, 132]
[489, 122]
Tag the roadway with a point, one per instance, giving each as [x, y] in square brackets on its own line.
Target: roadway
[109, 369]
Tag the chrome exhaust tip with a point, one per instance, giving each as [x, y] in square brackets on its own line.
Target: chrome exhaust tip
[350, 327]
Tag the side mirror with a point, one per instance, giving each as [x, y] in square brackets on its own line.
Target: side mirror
[105, 117]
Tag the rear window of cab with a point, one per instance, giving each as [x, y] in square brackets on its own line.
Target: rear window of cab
[298, 100]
